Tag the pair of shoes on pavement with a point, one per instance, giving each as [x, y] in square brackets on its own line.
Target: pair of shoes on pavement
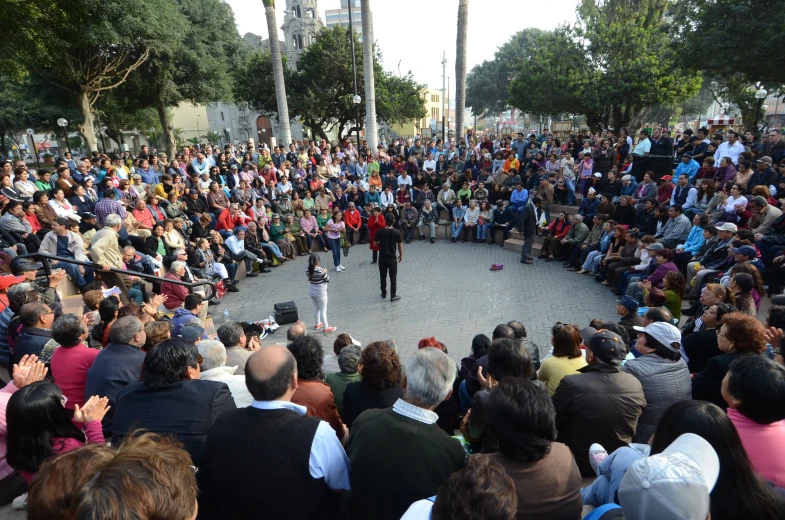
[340, 268]
[392, 298]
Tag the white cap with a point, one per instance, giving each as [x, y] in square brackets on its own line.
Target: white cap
[598, 174]
[663, 332]
[673, 484]
[727, 226]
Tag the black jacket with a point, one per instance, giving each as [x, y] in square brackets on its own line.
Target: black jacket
[30, 340]
[358, 398]
[527, 220]
[151, 246]
[707, 384]
[185, 410]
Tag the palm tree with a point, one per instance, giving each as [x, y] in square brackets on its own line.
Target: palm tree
[370, 90]
[460, 66]
[179, 139]
[212, 137]
[280, 88]
[193, 140]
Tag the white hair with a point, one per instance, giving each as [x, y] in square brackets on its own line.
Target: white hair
[213, 354]
[177, 265]
[430, 375]
[113, 220]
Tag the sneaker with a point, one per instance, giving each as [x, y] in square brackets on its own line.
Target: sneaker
[433, 240]
[596, 455]
[338, 269]
[582, 271]
[342, 268]
[330, 329]
[318, 326]
[20, 502]
[395, 298]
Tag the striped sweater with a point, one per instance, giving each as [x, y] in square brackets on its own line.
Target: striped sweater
[319, 277]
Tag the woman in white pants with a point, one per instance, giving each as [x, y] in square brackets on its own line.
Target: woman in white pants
[318, 278]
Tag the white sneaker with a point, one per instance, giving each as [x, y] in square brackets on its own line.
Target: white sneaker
[342, 268]
[338, 269]
[20, 502]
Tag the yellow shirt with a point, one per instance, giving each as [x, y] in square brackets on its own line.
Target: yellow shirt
[555, 368]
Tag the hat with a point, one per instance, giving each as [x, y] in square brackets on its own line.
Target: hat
[342, 174]
[587, 333]
[688, 154]
[631, 303]
[625, 178]
[666, 178]
[608, 347]
[673, 484]
[8, 281]
[592, 190]
[656, 246]
[296, 175]
[746, 251]
[192, 191]
[727, 226]
[663, 332]
[234, 167]
[765, 159]
[20, 265]
[190, 333]
[598, 174]
[88, 216]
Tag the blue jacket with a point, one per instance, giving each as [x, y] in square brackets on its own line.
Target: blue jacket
[148, 176]
[588, 208]
[690, 168]
[115, 367]
[695, 241]
[519, 198]
[180, 318]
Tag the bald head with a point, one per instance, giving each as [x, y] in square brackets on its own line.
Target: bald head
[296, 330]
[271, 374]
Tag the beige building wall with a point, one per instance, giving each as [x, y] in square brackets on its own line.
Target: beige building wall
[191, 119]
[433, 110]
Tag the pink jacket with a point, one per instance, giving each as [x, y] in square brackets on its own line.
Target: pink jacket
[5, 395]
[95, 435]
[763, 444]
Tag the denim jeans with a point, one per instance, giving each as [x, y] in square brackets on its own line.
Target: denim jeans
[335, 246]
[482, 230]
[612, 470]
[76, 275]
[456, 230]
[570, 192]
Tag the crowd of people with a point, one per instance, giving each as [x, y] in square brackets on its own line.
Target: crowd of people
[672, 411]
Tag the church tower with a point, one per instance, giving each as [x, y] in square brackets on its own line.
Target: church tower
[301, 22]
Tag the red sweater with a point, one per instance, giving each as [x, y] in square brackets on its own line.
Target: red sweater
[176, 293]
[352, 218]
[69, 367]
[226, 221]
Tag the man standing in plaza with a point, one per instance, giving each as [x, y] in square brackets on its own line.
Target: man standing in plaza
[527, 224]
[387, 240]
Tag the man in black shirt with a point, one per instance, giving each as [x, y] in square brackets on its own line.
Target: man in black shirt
[387, 239]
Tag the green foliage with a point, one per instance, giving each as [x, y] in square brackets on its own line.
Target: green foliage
[212, 137]
[255, 82]
[193, 140]
[118, 113]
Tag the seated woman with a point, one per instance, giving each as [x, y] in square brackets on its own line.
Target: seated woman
[62, 207]
[173, 239]
[205, 260]
[702, 345]
[379, 385]
[566, 359]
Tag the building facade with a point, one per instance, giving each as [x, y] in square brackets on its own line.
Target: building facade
[333, 17]
[432, 122]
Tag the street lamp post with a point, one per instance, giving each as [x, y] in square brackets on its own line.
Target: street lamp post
[356, 98]
[760, 95]
[498, 124]
[30, 132]
[198, 132]
[63, 123]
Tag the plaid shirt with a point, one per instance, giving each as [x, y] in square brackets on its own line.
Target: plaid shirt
[415, 412]
[107, 206]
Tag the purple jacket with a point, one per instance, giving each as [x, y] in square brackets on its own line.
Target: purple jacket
[659, 273]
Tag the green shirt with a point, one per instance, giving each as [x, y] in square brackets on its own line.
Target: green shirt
[43, 186]
[276, 232]
[338, 382]
[161, 247]
[321, 221]
[673, 303]
[465, 195]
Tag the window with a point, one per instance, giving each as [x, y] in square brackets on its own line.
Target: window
[222, 116]
[297, 11]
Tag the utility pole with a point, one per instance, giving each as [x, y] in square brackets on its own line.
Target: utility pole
[356, 98]
[444, 99]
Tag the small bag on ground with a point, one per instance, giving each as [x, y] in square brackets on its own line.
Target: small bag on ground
[285, 312]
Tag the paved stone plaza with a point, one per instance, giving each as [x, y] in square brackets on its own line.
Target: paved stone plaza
[447, 291]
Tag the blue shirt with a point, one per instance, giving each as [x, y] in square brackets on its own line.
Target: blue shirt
[328, 459]
[695, 241]
[459, 213]
[691, 168]
[519, 198]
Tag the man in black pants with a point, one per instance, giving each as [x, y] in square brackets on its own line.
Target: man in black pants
[386, 240]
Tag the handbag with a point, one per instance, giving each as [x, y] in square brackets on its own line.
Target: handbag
[220, 288]
[345, 244]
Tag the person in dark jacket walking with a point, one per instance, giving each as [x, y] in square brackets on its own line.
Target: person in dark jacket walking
[601, 404]
[527, 224]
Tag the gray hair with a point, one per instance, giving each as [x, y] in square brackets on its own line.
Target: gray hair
[177, 265]
[230, 333]
[759, 201]
[194, 322]
[213, 354]
[129, 248]
[578, 217]
[15, 290]
[124, 329]
[113, 220]
[349, 358]
[179, 251]
[430, 374]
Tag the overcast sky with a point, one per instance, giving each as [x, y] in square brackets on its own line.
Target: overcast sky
[414, 33]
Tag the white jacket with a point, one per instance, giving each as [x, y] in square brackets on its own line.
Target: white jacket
[242, 397]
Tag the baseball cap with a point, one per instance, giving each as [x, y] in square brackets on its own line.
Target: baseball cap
[746, 251]
[663, 332]
[234, 167]
[190, 333]
[765, 159]
[192, 191]
[587, 333]
[598, 174]
[88, 216]
[629, 302]
[20, 265]
[666, 178]
[727, 226]
[673, 484]
[8, 281]
[608, 347]
[656, 246]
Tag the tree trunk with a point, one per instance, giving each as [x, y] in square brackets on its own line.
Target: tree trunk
[460, 67]
[87, 128]
[280, 87]
[371, 134]
[163, 116]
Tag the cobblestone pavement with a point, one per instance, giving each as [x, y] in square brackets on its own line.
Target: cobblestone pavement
[446, 290]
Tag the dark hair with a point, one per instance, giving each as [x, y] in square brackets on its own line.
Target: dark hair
[508, 358]
[313, 261]
[381, 367]
[192, 301]
[739, 491]
[107, 313]
[666, 253]
[389, 220]
[616, 329]
[276, 385]
[36, 416]
[656, 297]
[518, 329]
[67, 330]
[168, 361]
[31, 313]
[480, 345]
[759, 384]
[523, 418]
[659, 314]
[566, 340]
[482, 489]
[503, 332]
[308, 353]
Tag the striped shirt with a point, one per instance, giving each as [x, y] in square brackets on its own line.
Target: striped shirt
[319, 276]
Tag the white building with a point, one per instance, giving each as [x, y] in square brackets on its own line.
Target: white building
[333, 17]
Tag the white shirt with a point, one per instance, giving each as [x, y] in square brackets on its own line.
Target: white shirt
[726, 150]
[429, 165]
[420, 510]
[386, 199]
[415, 412]
[236, 245]
[405, 180]
[242, 397]
[328, 459]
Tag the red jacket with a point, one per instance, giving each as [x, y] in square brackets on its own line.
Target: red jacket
[559, 228]
[352, 218]
[226, 221]
[375, 223]
[175, 293]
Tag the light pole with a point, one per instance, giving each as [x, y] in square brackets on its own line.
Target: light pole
[356, 98]
[198, 132]
[102, 133]
[30, 132]
[444, 98]
[760, 95]
[498, 124]
[63, 123]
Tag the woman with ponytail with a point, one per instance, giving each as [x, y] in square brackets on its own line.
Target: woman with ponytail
[318, 278]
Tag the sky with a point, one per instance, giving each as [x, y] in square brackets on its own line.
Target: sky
[412, 34]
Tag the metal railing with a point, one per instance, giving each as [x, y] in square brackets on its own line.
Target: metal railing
[210, 289]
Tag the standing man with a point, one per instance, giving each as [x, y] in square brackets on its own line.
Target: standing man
[731, 148]
[527, 224]
[386, 240]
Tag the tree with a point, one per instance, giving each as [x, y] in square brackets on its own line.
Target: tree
[460, 64]
[278, 72]
[368, 75]
[255, 83]
[212, 137]
[85, 47]
[118, 113]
